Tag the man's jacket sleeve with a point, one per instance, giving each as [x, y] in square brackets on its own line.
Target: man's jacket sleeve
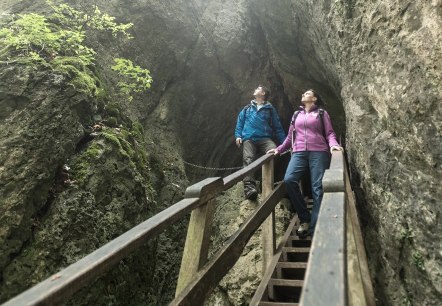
[239, 125]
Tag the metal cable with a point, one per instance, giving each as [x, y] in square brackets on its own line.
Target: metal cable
[211, 168]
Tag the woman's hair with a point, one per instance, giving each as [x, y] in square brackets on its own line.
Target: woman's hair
[319, 101]
[266, 91]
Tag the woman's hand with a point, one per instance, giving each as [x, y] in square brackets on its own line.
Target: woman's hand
[336, 148]
[273, 151]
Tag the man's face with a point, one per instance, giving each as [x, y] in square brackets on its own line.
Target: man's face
[259, 92]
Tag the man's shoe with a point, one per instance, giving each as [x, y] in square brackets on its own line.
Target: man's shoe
[251, 194]
[302, 230]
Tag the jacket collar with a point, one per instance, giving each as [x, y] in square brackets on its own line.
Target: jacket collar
[266, 103]
[314, 108]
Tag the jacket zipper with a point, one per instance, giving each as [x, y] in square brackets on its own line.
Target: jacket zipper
[305, 130]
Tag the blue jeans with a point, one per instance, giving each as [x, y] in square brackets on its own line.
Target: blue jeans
[300, 162]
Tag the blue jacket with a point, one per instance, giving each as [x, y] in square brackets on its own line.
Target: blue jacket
[254, 124]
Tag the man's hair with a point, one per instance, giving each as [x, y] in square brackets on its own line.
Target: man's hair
[319, 101]
[266, 91]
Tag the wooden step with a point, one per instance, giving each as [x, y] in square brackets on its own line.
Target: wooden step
[295, 254]
[295, 241]
[291, 265]
[277, 304]
[284, 290]
[286, 282]
[291, 270]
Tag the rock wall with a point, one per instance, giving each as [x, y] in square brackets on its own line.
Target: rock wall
[376, 63]
[383, 59]
[388, 57]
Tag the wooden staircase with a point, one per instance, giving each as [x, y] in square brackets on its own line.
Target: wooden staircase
[283, 281]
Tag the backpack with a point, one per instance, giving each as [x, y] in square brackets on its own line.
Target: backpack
[321, 115]
[269, 110]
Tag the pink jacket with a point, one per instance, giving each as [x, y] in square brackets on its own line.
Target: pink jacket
[306, 133]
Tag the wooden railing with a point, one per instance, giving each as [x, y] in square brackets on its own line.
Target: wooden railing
[326, 273]
[325, 278]
[337, 271]
[197, 276]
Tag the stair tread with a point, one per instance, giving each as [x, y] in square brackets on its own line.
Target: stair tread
[295, 237]
[290, 264]
[286, 282]
[277, 304]
[296, 249]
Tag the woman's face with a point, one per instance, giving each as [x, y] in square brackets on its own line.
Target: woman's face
[308, 97]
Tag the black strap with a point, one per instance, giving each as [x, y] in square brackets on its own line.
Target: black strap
[321, 114]
[295, 115]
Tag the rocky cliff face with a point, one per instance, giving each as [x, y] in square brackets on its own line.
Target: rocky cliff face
[376, 63]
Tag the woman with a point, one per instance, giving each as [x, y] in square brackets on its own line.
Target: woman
[311, 137]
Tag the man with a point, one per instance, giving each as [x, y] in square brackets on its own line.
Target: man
[257, 123]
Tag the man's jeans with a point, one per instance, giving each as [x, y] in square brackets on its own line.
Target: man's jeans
[251, 151]
[299, 163]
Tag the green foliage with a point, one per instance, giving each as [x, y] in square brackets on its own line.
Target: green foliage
[57, 42]
[135, 78]
[94, 20]
[418, 260]
[406, 234]
[406, 301]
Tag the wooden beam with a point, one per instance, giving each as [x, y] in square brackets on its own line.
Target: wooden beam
[205, 189]
[355, 292]
[325, 277]
[358, 244]
[218, 266]
[261, 291]
[65, 283]
[236, 177]
[196, 248]
[333, 180]
[268, 227]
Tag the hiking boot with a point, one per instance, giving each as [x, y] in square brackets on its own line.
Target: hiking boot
[302, 230]
[251, 194]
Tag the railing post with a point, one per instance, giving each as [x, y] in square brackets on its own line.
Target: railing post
[268, 226]
[198, 233]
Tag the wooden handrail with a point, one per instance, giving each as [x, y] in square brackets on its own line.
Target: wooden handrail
[325, 277]
[66, 282]
[237, 176]
[63, 284]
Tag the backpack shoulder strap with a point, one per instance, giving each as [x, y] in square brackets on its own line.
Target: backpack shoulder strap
[321, 115]
[271, 116]
[295, 115]
[245, 110]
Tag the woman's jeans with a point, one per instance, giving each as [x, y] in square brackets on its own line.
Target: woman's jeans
[300, 162]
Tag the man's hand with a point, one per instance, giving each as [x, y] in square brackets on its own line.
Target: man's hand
[238, 142]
